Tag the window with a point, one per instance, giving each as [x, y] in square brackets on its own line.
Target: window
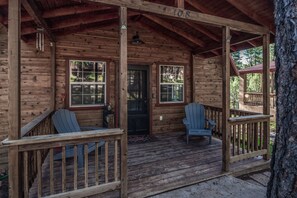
[87, 83]
[171, 84]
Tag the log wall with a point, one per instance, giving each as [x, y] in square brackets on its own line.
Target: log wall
[103, 45]
[207, 78]
[35, 85]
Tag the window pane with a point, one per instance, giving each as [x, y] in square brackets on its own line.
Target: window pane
[99, 99]
[100, 67]
[75, 71]
[88, 99]
[172, 74]
[172, 93]
[99, 77]
[88, 66]
[99, 89]
[89, 77]
[76, 89]
[88, 89]
[76, 100]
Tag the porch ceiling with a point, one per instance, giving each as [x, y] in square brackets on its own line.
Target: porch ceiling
[66, 17]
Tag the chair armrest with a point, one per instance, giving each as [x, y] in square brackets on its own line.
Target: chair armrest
[211, 123]
[90, 128]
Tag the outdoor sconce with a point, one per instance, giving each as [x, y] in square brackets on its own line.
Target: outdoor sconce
[136, 40]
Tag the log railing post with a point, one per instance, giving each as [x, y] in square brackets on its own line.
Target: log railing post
[14, 111]
[123, 98]
[266, 93]
[226, 98]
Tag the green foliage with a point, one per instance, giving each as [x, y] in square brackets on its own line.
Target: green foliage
[245, 59]
[234, 92]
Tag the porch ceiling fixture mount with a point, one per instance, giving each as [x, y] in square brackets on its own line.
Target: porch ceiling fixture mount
[136, 40]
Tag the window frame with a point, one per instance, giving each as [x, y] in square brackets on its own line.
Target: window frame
[68, 83]
[159, 102]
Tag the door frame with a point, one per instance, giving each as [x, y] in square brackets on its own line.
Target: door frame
[146, 67]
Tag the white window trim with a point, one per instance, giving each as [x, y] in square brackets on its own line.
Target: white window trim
[160, 83]
[86, 83]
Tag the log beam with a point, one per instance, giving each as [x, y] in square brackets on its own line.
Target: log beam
[226, 99]
[266, 92]
[182, 14]
[174, 29]
[77, 21]
[142, 23]
[235, 41]
[14, 93]
[246, 10]
[123, 70]
[34, 12]
[64, 11]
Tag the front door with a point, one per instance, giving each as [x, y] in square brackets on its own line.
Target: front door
[138, 114]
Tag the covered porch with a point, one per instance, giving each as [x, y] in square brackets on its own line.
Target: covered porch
[138, 170]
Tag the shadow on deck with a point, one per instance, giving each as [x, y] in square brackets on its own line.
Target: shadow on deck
[153, 167]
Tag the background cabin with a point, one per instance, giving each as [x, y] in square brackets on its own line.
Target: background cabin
[253, 100]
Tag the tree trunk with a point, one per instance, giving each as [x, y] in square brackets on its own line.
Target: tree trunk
[283, 180]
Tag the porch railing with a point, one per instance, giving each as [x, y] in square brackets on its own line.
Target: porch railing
[256, 99]
[247, 137]
[41, 125]
[65, 177]
[215, 113]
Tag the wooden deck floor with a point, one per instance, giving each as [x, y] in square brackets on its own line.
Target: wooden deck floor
[159, 166]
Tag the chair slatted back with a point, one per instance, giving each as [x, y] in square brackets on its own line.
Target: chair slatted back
[65, 121]
[195, 115]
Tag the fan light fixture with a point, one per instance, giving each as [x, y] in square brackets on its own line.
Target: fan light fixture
[136, 40]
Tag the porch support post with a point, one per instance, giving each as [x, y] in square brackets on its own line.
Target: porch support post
[123, 98]
[14, 81]
[266, 92]
[53, 75]
[226, 98]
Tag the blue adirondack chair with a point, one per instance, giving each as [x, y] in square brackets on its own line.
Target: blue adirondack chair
[195, 121]
[65, 122]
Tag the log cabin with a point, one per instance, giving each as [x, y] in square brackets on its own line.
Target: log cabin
[147, 59]
[251, 100]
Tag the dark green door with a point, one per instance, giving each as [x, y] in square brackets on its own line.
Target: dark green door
[138, 114]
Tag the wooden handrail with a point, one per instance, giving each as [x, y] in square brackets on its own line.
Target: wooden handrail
[64, 137]
[36, 121]
[249, 119]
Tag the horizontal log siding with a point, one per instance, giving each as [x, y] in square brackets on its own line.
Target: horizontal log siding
[103, 44]
[208, 81]
[35, 86]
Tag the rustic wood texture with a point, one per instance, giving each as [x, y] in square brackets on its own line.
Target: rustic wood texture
[35, 86]
[266, 92]
[172, 12]
[14, 95]
[154, 167]
[123, 102]
[226, 97]
[104, 42]
[207, 81]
